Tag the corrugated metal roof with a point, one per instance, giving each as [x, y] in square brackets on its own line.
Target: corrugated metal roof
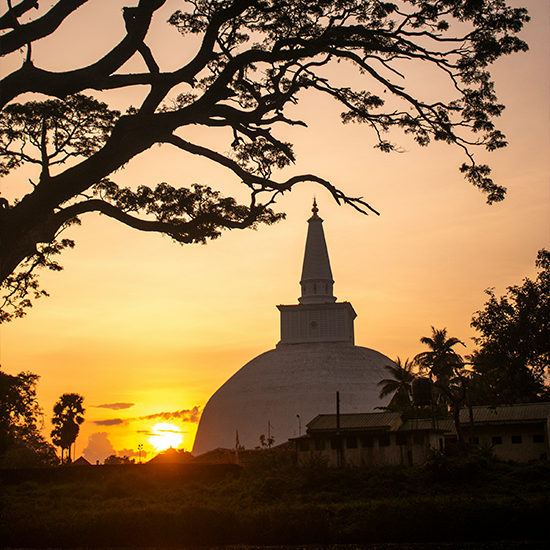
[357, 421]
[523, 412]
[443, 424]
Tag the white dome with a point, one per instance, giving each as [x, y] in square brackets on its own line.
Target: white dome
[294, 379]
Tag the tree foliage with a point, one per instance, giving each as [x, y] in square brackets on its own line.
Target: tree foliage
[441, 361]
[446, 368]
[114, 459]
[249, 61]
[68, 414]
[399, 385]
[21, 443]
[512, 363]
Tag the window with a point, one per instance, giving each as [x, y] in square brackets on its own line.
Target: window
[384, 441]
[538, 438]
[400, 439]
[367, 441]
[351, 442]
[319, 444]
[516, 439]
[418, 439]
[496, 440]
[334, 443]
[304, 445]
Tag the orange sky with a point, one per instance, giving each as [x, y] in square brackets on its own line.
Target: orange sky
[145, 326]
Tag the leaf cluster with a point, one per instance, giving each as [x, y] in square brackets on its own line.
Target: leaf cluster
[21, 286]
[21, 418]
[50, 132]
[18, 404]
[187, 215]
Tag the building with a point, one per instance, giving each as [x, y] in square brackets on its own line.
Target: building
[515, 432]
[316, 357]
[368, 439]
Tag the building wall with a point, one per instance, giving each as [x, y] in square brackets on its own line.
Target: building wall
[521, 443]
[393, 448]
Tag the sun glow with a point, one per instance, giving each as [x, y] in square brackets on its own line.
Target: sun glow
[165, 436]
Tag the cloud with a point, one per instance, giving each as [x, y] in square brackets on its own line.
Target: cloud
[99, 447]
[158, 431]
[114, 406]
[109, 422]
[185, 415]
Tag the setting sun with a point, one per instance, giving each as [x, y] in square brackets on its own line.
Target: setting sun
[165, 436]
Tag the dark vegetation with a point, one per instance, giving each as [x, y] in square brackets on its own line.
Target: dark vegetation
[511, 364]
[273, 502]
[21, 420]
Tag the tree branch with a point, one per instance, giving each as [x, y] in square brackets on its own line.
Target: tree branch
[9, 19]
[31, 79]
[30, 32]
[195, 230]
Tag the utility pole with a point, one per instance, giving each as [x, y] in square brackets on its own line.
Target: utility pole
[269, 440]
[339, 450]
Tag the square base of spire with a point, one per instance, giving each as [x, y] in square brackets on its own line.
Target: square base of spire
[317, 323]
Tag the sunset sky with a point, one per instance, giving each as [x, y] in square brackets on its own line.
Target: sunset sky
[146, 330]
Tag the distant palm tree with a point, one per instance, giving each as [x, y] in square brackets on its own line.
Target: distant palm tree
[68, 415]
[441, 361]
[446, 368]
[400, 385]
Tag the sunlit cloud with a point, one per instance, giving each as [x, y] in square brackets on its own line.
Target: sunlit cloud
[110, 422]
[114, 406]
[185, 415]
[156, 431]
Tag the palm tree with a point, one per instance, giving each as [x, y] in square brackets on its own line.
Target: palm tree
[446, 368]
[441, 361]
[400, 384]
[68, 415]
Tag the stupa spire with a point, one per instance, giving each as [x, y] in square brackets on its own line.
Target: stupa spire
[316, 282]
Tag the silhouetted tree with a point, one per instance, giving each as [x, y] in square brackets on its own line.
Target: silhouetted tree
[266, 442]
[446, 369]
[21, 443]
[400, 384]
[249, 60]
[68, 415]
[114, 459]
[513, 359]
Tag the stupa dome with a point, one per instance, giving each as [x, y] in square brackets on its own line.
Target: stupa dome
[281, 390]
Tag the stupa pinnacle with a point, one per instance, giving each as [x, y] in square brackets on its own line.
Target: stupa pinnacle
[316, 282]
[315, 358]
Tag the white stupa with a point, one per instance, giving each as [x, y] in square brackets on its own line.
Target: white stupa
[284, 388]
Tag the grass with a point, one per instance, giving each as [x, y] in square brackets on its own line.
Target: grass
[275, 503]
